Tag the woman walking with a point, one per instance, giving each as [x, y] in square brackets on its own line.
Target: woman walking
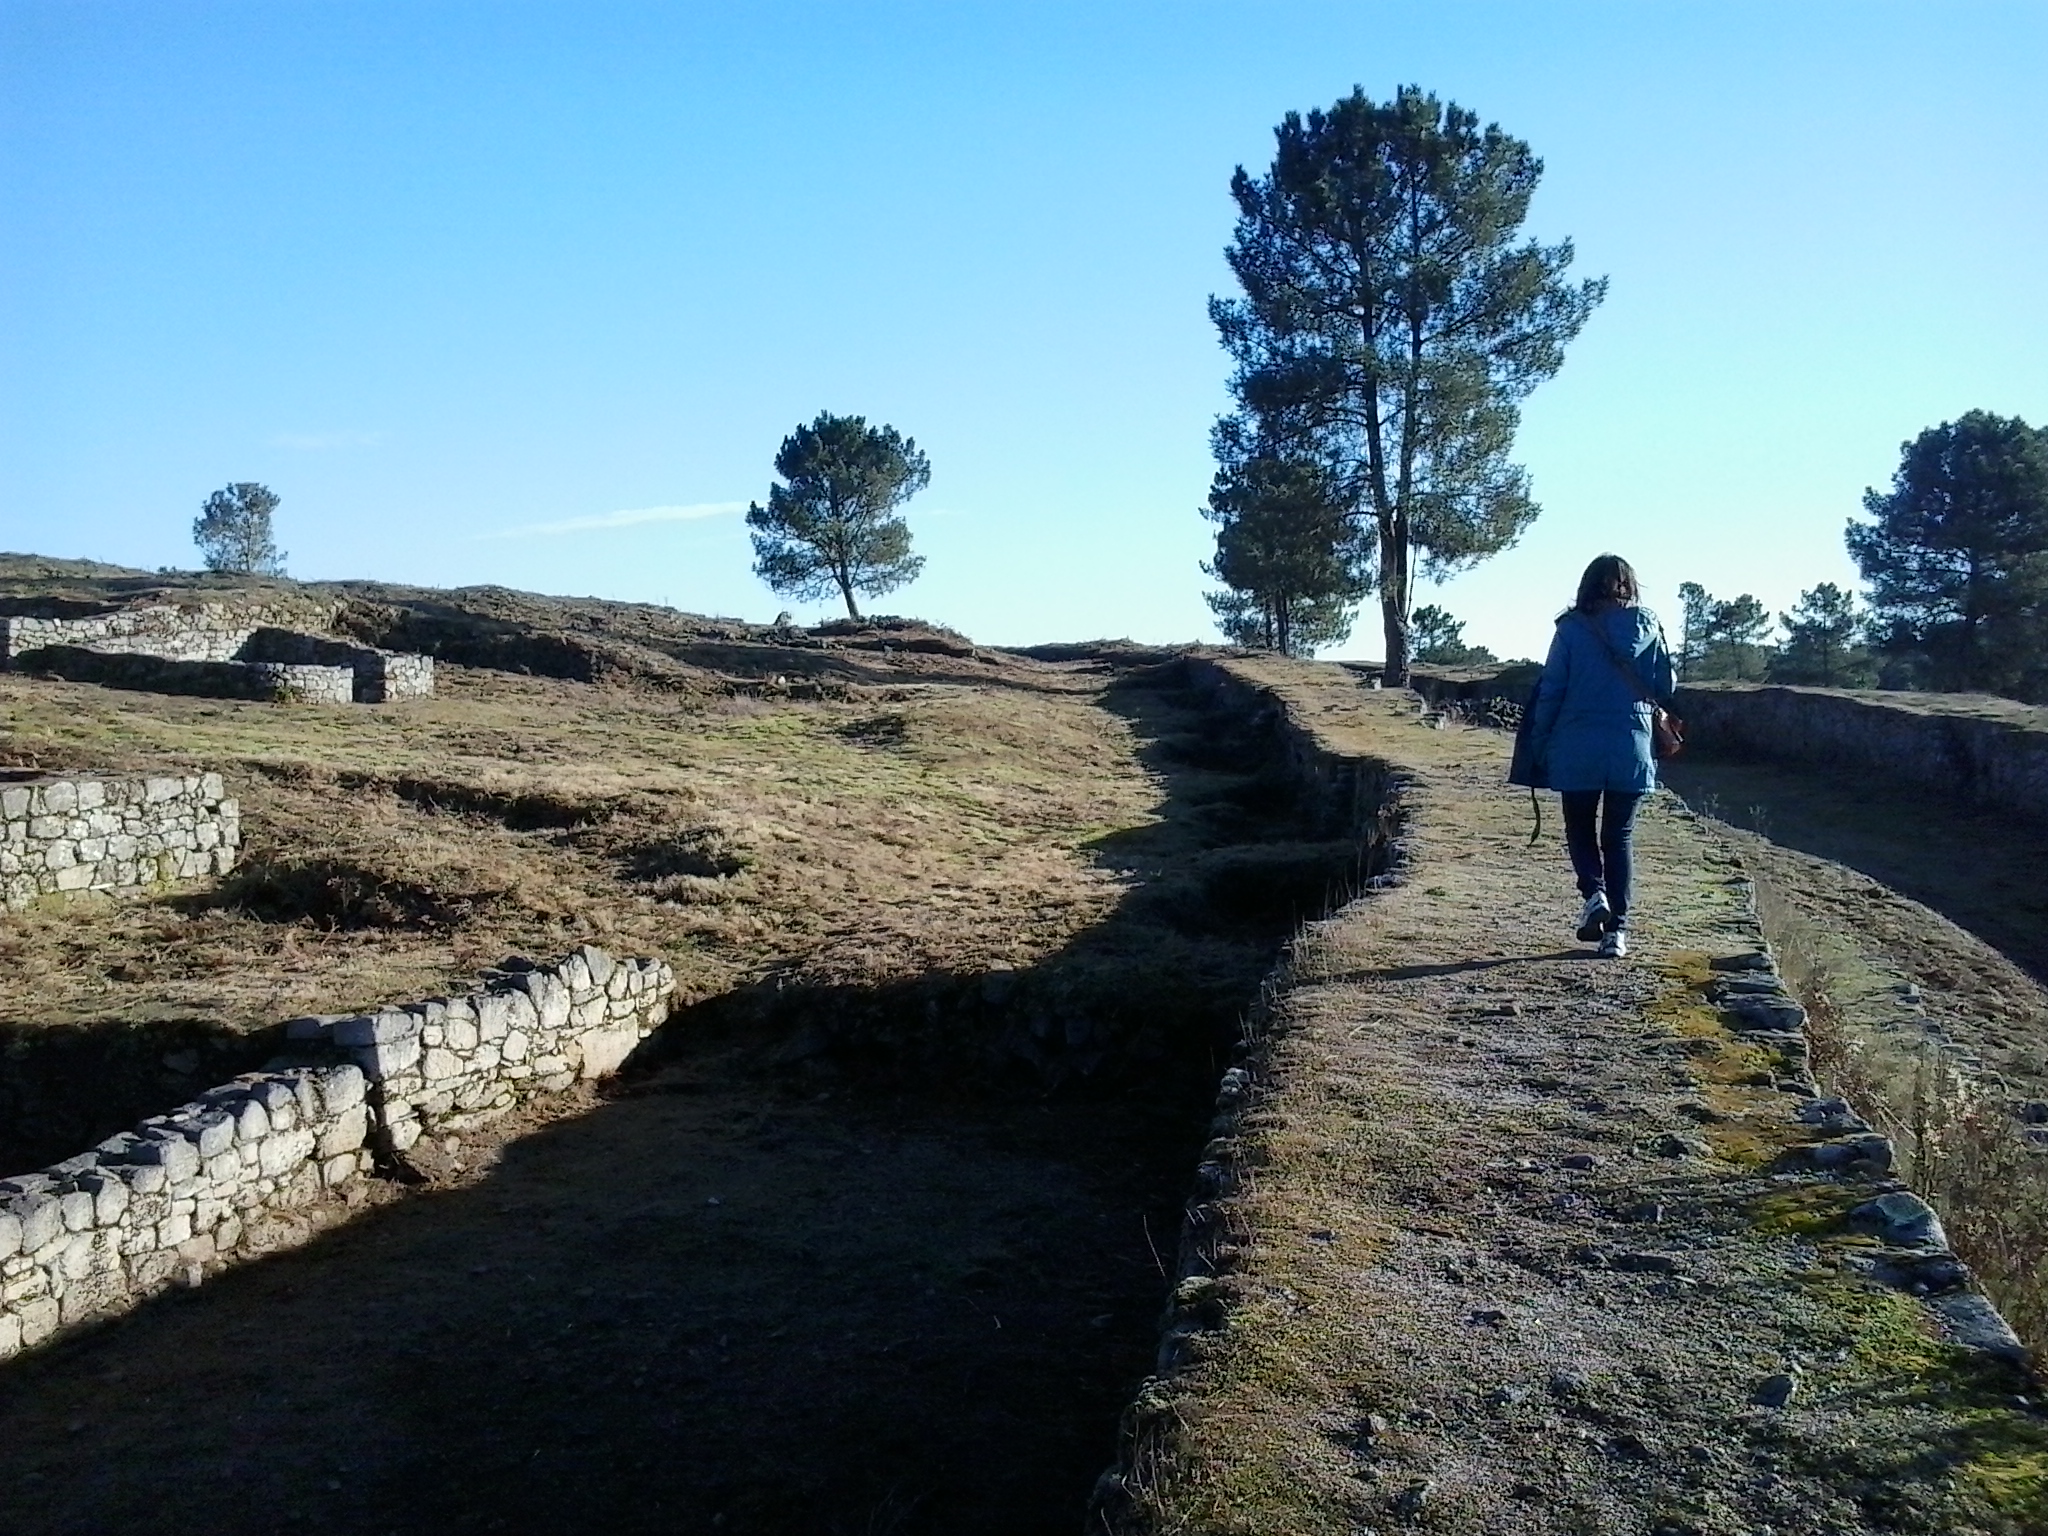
[1590, 730]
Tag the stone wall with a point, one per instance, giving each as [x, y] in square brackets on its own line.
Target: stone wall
[450, 1064]
[279, 682]
[382, 676]
[1987, 752]
[174, 631]
[216, 650]
[377, 676]
[93, 1234]
[105, 834]
[218, 1178]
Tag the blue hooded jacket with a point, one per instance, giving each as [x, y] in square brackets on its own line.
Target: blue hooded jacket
[1588, 728]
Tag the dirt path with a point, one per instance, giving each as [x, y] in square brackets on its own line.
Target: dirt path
[1507, 1250]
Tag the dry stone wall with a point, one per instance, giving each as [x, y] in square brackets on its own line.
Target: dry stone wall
[111, 834]
[452, 1063]
[215, 649]
[281, 682]
[217, 1179]
[95, 1233]
[376, 677]
[174, 631]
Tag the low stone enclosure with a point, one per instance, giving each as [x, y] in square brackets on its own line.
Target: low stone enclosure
[219, 650]
[216, 1179]
[112, 834]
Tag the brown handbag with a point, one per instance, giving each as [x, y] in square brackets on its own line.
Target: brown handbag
[1667, 731]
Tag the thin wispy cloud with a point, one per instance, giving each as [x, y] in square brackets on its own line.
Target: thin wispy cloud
[313, 442]
[632, 517]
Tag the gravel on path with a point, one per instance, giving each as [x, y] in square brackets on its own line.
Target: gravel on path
[1507, 1238]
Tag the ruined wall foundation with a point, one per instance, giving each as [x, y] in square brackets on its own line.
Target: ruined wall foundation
[112, 834]
[216, 1179]
[1996, 757]
[215, 650]
[174, 631]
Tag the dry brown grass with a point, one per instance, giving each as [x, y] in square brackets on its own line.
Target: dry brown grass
[391, 851]
[1962, 1137]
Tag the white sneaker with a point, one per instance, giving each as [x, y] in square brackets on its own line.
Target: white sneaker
[1593, 918]
[1614, 944]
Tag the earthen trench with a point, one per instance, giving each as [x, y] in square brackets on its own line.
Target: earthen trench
[885, 1260]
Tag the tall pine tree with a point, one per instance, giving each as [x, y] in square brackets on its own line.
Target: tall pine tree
[1389, 310]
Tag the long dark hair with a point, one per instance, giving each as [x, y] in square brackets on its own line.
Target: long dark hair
[1609, 579]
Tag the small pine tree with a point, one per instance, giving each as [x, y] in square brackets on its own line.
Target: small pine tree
[1820, 646]
[233, 530]
[1739, 640]
[1723, 640]
[1440, 640]
[1697, 605]
[833, 527]
[1285, 547]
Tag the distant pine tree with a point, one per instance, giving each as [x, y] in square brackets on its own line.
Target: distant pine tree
[233, 530]
[1723, 640]
[1956, 556]
[1440, 640]
[1821, 635]
[833, 525]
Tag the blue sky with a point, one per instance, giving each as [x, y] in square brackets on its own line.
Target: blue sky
[529, 294]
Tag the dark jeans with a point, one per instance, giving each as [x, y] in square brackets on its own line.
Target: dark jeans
[1603, 859]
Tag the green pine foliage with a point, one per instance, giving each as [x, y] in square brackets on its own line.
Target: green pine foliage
[1956, 558]
[1392, 321]
[233, 530]
[1722, 640]
[1287, 550]
[1823, 648]
[1440, 640]
[832, 526]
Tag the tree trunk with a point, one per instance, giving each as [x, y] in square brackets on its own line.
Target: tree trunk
[1394, 607]
[1973, 668]
[846, 591]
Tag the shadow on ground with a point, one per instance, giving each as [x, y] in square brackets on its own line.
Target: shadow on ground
[1979, 869]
